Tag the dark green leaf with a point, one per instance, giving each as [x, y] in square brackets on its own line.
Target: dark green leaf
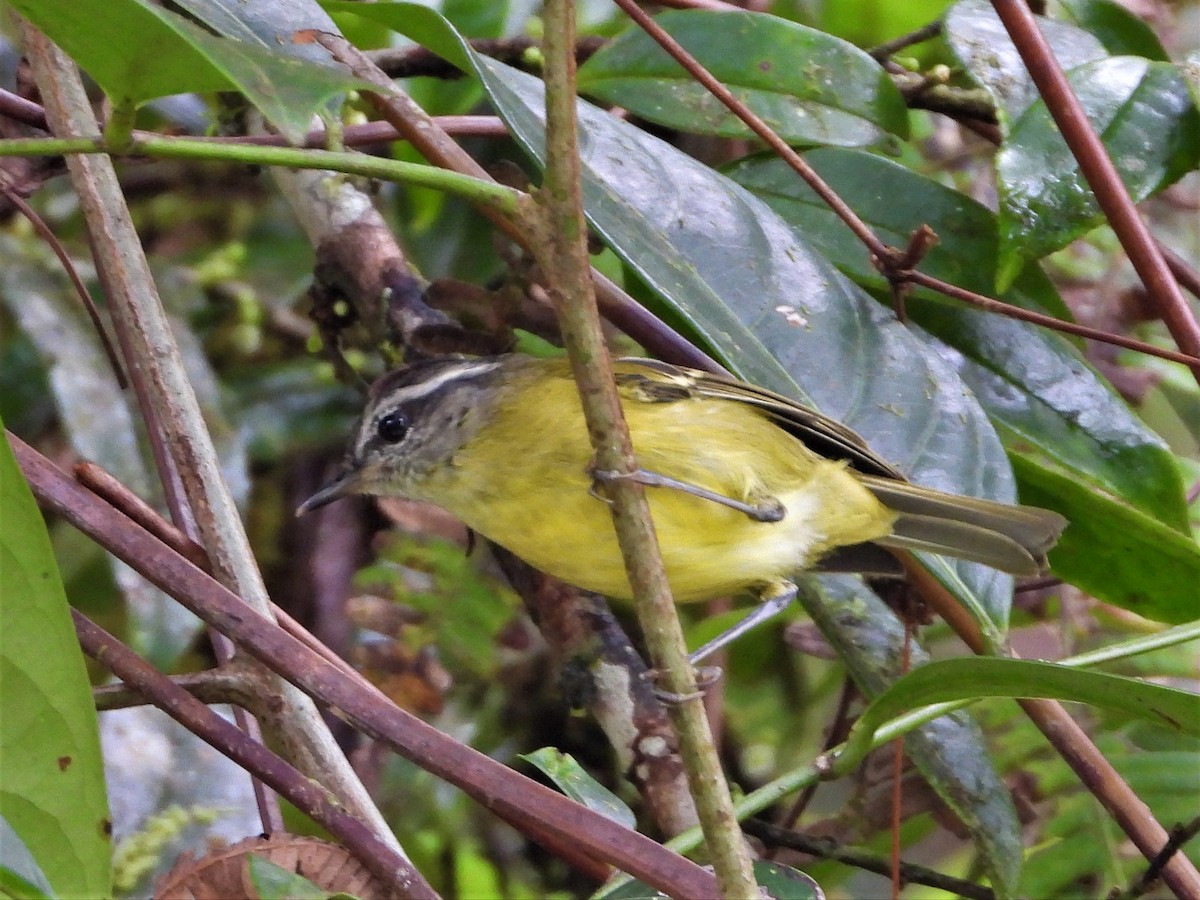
[52, 794]
[1150, 128]
[780, 882]
[978, 38]
[766, 303]
[574, 781]
[809, 86]
[950, 752]
[137, 51]
[1120, 31]
[894, 201]
[1115, 552]
[1049, 405]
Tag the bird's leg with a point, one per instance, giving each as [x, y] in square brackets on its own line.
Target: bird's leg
[775, 598]
[770, 510]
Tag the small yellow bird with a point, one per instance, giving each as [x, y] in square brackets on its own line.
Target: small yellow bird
[746, 487]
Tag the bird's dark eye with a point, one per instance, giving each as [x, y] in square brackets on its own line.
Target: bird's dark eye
[393, 426]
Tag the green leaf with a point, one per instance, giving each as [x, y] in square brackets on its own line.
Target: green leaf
[20, 875]
[273, 882]
[574, 781]
[972, 678]
[1051, 408]
[894, 201]
[950, 752]
[978, 39]
[52, 793]
[1144, 114]
[780, 882]
[775, 311]
[810, 87]
[1120, 31]
[136, 51]
[1116, 552]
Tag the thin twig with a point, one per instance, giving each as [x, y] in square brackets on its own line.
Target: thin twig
[380, 858]
[549, 817]
[919, 36]
[825, 848]
[85, 296]
[1101, 175]
[561, 252]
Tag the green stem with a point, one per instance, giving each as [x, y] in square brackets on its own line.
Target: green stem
[562, 255]
[486, 193]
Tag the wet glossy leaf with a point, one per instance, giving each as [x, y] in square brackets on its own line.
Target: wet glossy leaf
[1120, 31]
[809, 86]
[1050, 406]
[977, 37]
[766, 303]
[1142, 111]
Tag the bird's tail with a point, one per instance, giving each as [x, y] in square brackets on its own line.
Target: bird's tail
[1014, 539]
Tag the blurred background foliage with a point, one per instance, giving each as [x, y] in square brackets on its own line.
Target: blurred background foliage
[395, 588]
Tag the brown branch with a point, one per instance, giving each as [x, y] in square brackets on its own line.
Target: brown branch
[826, 848]
[560, 248]
[411, 62]
[1071, 742]
[381, 859]
[529, 807]
[1101, 175]
[582, 633]
[85, 297]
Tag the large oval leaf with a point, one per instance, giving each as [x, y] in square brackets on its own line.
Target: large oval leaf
[769, 306]
[809, 86]
[52, 795]
[1150, 127]
[978, 38]
[1051, 408]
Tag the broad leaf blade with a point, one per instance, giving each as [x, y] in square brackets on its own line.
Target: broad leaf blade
[1144, 114]
[950, 752]
[1051, 408]
[52, 794]
[1116, 552]
[171, 55]
[978, 38]
[809, 86]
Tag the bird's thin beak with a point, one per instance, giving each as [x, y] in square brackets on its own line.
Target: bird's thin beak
[343, 484]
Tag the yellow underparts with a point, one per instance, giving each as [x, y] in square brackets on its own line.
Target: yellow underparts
[540, 506]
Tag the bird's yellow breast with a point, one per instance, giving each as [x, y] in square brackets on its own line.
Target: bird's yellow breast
[539, 503]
